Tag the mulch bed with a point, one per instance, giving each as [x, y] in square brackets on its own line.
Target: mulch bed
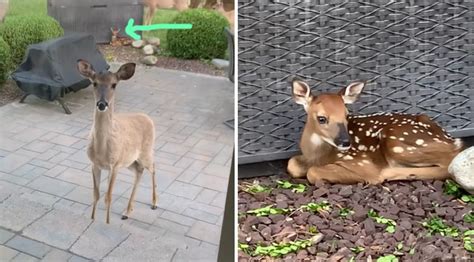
[124, 54]
[409, 204]
[9, 92]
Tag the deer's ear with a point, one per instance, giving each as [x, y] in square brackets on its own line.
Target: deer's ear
[351, 92]
[85, 69]
[301, 92]
[126, 71]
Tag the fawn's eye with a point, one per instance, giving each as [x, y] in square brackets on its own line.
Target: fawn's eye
[322, 120]
[114, 85]
[95, 84]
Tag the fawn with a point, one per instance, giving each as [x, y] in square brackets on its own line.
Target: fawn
[341, 148]
[117, 140]
[117, 40]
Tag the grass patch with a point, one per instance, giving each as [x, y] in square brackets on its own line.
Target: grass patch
[161, 16]
[268, 210]
[297, 188]
[469, 217]
[27, 7]
[345, 212]
[453, 189]
[255, 187]
[317, 207]
[468, 240]
[278, 249]
[437, 225]
[390, 223]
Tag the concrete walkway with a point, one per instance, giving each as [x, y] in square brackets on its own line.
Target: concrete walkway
[46, 183]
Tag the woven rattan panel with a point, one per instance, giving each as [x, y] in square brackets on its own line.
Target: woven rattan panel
[417, 56]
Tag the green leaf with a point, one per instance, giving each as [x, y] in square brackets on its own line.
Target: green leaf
[357, 249]
[469, 217]
[390, 229]
[469, 232]
[412, 251]
[387, 258]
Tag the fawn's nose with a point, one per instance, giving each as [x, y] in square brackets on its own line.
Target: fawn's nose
[343, 144]
[102, 105]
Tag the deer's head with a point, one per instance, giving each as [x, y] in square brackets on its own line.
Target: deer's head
[105, 82]
[327, 112]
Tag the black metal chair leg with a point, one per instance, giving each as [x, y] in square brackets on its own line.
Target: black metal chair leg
[63, 104]
[22, 100]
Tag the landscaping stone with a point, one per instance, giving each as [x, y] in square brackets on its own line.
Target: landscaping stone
[138, 43]
[462, 169]
[220, 63]
[153, 41]
[341, 233]
[149, 60]
[148, 50]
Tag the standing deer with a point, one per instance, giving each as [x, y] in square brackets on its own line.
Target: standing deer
[152, 5]
[342, 148]
[229, 15]
[117, 140]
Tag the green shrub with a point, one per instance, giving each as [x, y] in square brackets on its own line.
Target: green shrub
[205, 40]
[4, 60]
[23, 30]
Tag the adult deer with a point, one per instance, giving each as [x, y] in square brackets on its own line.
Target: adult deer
[152, 5]
[341, 148]
[229, 15]
[117, 140]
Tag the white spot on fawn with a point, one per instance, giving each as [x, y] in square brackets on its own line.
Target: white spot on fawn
[316, 139]
[393, 137]
[397, 149]
[419, 142]
[405, 133]
[356, 139]
[362, 148]
[347, 157]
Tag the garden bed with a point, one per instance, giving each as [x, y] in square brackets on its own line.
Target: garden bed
[396, 221]
[124, 54]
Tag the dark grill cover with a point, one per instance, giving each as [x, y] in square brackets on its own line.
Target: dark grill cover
[50, 68]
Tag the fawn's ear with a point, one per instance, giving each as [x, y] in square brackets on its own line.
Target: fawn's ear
[85, 69]
[351, 92]
[126, 71]
[301, 92]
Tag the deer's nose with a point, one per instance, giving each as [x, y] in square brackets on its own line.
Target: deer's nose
[102, 105]
[345, 143]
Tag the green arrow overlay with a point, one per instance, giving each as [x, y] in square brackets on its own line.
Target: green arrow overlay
[131, 29]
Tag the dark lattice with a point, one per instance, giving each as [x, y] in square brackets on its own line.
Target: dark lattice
[417, 56]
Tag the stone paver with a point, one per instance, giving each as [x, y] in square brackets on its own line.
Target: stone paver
[46, 181]
[16, 213]
[58, 228]
[28, 246]
[98, 240]
[205, 232]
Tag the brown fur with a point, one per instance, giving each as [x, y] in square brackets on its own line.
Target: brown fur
[152, 5]
[118, 140]
[383, 147]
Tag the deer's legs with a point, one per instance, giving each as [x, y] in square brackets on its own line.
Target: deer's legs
[138, 169]
[414, 173]
[153, 180]
[108, 196]
[297, 167]
[335, 173]
[96, 180]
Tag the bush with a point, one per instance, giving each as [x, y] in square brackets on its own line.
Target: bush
[205, 40]
[4, 60]
[21, 31]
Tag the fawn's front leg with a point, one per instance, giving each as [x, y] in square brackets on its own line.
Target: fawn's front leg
[297, 167]
[108, 196]
[96, 179]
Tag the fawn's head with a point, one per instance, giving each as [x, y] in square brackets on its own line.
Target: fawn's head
[105, 82]
[327, 112]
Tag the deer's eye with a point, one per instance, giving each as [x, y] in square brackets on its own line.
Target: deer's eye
[95, 84]
[114, 85]
[322, 120]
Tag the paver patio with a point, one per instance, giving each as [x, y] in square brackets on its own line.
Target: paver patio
[46, 182]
